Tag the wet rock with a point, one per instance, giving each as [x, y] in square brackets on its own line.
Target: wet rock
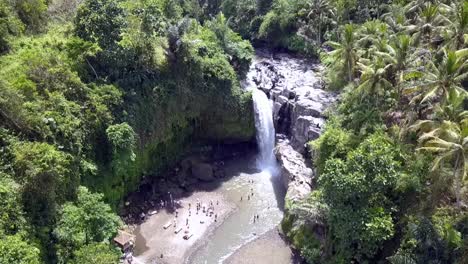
[203, 171]
[276, 108]
[307, 128]
[288, 93]
[283, 119]
[295, 174]
[275, 93]
[282, 99]
[186, 164]
[307, 107]
[266, 76]
[296, 88]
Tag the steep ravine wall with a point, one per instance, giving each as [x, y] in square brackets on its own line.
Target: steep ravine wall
[299, 102]
[168, 132]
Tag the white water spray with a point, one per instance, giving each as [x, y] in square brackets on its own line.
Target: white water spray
[265, 131]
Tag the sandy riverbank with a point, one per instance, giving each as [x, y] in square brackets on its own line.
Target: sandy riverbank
[267, 249]
[153, 240]
[213, 242]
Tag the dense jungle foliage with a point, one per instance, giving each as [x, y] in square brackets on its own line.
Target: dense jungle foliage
[392, 182]
[100, 93]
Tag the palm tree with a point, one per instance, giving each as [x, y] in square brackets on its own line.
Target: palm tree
[372, 38]
[398, 55]
[446, 135]
[320, 13]
[395, 18]
[439, 78]
[417, 6]
[395, 55]
[458, 24]
[429, 22]
[346, 51]
[454, 109]
[374, 82]
[448, 140]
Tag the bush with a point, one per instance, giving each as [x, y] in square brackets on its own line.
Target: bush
[239, 50]
[122, 139]
[47, 179]
[12, 216]
[32, 13]
[96, 253]
[10, 25]
[359, 190]
[100, 21]
[16, 250]
[86, 221]
[336, 142]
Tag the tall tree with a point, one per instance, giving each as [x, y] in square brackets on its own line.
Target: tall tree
[449, 142]
[458, 14]
[320, 14]
[441, 77]
[429, 25]
[85, 221]
[345, 52]
[374, 83]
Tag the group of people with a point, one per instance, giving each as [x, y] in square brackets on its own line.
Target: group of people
[208, 210]
[249, 196]
[200, 208]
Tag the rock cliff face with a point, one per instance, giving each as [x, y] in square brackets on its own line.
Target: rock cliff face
[299, 101]
[296, 176]
[296, 89]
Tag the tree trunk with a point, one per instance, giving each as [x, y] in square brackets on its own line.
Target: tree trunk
[456, 177]
[92, 68]
[319, 31]
[350, 73]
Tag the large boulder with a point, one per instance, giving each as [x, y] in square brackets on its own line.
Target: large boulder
[266, 76]
[203, 171]
[306, 128]
[308, 107]
[296, 175]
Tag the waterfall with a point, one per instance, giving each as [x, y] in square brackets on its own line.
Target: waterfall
[265, 131]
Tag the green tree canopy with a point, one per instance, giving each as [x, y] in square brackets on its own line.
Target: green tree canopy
[96, 253]
[12, 215]
[15, 250]
[87, 220]
[359, 191]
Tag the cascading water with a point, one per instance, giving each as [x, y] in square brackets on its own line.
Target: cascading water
[265, 131]
[263, 107]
